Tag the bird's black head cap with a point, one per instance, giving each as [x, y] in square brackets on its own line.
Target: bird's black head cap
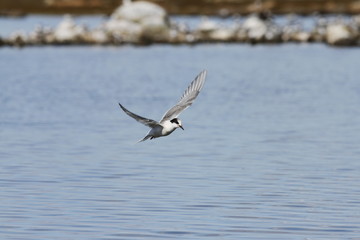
[174, 120]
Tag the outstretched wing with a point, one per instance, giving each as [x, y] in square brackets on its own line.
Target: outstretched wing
[187, 98]
[148, 122]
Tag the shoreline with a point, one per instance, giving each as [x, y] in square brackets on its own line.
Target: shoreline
[144, 23]
[252, 30]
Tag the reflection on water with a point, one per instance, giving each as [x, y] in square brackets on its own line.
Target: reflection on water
[270, 149]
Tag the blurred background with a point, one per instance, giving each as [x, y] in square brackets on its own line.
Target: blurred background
[111, 22]
[181, 7]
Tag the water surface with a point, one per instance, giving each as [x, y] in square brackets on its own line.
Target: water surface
[270, 148]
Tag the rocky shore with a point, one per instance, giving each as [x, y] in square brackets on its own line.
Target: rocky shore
[143, 23]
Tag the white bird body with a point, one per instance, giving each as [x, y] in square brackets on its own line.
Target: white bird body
[161, 130]
[170, 121]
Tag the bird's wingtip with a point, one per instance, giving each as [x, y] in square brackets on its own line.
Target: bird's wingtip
[121, 106]
[144, 139]
[203, 73]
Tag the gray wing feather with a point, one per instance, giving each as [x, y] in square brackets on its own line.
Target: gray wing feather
[147, 122]
[187, 98]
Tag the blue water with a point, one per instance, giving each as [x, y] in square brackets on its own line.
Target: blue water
[270, 148]
[29, 23]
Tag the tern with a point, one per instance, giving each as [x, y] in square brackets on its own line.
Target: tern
[170, 120]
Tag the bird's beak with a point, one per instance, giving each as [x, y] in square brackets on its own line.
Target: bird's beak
[181, 127]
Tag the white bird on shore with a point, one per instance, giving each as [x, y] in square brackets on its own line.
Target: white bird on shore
[170, 120]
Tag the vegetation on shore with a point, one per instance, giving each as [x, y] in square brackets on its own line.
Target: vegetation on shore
[183, 7]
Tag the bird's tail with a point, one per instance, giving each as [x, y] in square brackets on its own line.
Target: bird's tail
[145, 138]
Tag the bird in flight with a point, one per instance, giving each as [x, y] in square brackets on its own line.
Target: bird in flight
[170, 120]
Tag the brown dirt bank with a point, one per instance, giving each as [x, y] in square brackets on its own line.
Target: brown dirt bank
[203, 7]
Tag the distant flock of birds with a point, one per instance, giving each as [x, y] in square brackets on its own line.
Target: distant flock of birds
[144, 23]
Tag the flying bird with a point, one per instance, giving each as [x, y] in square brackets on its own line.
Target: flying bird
[170, 120]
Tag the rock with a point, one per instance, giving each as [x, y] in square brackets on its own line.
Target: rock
[97, 36]
[301, 36]
[155, 29]
[209, 30]
[223, 35]
[124, 30]
[207, 26]
[255, 27]
[294, 33]
[139, 11]
[339, 34]
[139, 21]
[68, 32]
